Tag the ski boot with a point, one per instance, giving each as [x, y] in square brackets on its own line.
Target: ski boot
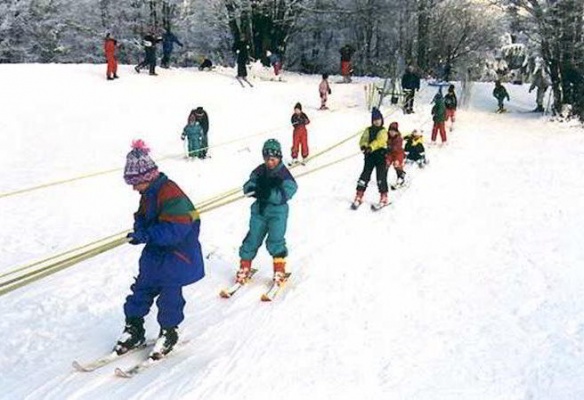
[358, 199]
[132, 337]
[279, 271]
[244, 273]
[167, 339]
[383, 199]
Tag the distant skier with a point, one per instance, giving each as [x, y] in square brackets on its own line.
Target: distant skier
[273, 186]
[346, 68]
[149, 41]
[500, 93]
[168, 41]
[299, 121]
[395, 154]
[193, 132]
[541, 82]
[410, 84]
[414, 148]
[275, 62]
[324, 89]
[109, 47]
[202, 117]
[373, 144]
[168, 224]
[451, 103]
[241, 49]
[439, 118]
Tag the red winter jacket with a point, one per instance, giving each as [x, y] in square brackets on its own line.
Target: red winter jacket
[395, 150]
[109, 47]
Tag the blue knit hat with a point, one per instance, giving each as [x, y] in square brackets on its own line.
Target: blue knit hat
[140, 168]
[272, 148]
[376, 114]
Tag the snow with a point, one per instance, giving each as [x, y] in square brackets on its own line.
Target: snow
[467, 287]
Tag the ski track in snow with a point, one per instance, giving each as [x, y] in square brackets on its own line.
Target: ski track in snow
[467, 286]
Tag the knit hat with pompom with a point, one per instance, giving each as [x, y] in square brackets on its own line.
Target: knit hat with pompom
[140, 168]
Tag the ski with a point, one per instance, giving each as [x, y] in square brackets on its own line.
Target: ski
[109, 358]
[137, 368]
[242, 79]
[397, 186]
[149, 362]
[274, 289]
[230, 291]
[379, 206]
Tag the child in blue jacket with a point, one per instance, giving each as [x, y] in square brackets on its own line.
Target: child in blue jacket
[168, 224]
[272, 184]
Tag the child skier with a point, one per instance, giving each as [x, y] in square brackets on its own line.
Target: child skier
[324, 90]
[451, 102]
[272, 185]
[299, 135]
[168, 224]
[373, 144]
[414, 148]
[500, 93]
[395, 154]
[439, 118]
[194, 134]
[202, 117]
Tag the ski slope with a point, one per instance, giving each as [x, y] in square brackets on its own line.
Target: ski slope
[469, 286]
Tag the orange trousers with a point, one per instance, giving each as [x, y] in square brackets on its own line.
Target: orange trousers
[112, 67]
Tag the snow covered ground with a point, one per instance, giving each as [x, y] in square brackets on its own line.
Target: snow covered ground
[469, 286]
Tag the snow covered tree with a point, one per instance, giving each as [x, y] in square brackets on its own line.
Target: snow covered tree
[556, 26]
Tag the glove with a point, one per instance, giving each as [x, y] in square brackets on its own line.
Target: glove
[137, 237]
[262, 192]
[366, 149]
[182, 137]
[250, 192]
[330, 91]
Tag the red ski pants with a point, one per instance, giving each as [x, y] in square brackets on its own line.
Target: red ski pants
[112, 66]
[439, 126]
[300, 139]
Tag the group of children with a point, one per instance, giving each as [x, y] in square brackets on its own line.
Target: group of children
[383, 149]
[168, 223]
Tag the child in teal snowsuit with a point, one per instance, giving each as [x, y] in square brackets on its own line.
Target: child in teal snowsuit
[272, 184]
[194, 134]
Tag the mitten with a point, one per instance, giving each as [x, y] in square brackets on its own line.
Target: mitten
[137, 237]
[262, 192]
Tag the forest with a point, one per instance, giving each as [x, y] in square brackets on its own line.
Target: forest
[470, 36]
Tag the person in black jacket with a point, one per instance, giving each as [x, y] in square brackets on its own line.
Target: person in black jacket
[149, 41]
[410, 83]
[241, 49]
